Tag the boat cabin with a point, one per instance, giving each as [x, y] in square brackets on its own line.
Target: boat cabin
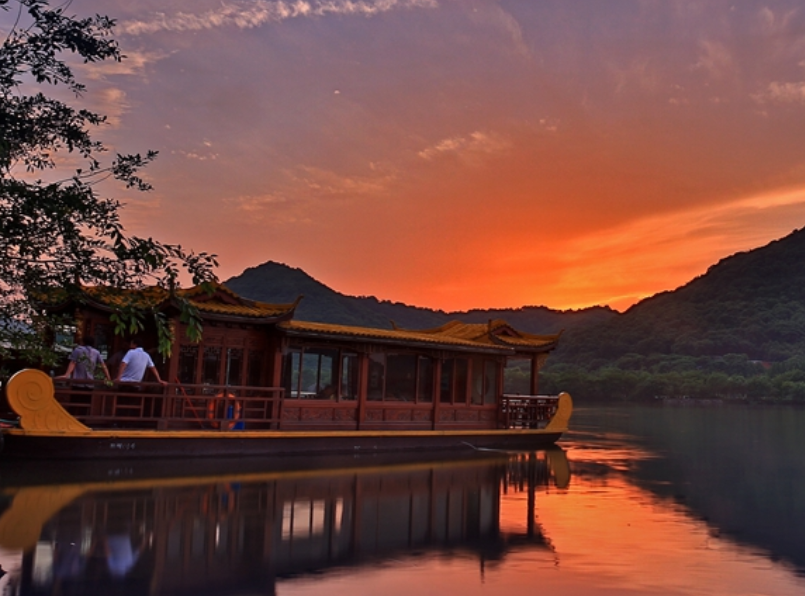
[257, 367]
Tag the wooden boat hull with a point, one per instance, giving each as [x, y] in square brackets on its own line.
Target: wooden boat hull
[138, 444]
[47, 431]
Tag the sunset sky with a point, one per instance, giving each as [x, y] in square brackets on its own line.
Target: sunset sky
[462, 154]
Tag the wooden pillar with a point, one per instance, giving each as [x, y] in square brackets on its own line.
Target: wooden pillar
[276, 381]
[501, 379]
[276, 367]
[534, 374]
[363, 386]
[197, 378]
[437, 390]
[223, 365]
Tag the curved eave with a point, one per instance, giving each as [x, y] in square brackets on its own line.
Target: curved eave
[285, 313]
[224, 318]
[519, 348]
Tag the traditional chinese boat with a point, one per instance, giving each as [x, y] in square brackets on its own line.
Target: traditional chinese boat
[261, 382]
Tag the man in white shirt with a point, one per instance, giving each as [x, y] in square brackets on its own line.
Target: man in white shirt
[135, 363]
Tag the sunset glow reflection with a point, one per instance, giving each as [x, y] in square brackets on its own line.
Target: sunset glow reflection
[600, 536]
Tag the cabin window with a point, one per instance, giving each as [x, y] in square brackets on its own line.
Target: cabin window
[446, 382]
[318, 366]
[484, 381]
[290, 373]
[490, 382]
[211, 373]
[349, 376]
[477, 385]
[400, 377]
[211, 366]
[425, 375]
[188, 360]
[377, 377]
[453, 384]
[311, 373]
[461, 381]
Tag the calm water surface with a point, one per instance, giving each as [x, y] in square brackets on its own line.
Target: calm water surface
[637, 501]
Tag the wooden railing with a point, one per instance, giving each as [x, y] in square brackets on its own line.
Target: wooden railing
[205, 407]
[527, 411]
[170, 407]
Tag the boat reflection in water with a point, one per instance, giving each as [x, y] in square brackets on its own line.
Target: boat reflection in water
[238, 533]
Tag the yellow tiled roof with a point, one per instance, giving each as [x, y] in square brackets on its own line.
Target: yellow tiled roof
[225, 302]
[531, 341]
[495, 332]
[118, 297]
[254, 310]
[454, 333]
[214, 299]
[305, 327]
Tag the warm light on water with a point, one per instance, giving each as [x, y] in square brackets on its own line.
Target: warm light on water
[612, 537]
[603, 536]
[644, 511]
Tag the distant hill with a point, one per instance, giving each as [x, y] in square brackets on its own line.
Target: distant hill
[750, 303]
[735, 333]
[275, 282]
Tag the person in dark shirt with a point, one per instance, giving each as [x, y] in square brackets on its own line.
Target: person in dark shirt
[85, 362]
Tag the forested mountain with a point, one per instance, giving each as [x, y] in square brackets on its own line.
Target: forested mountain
[736, 332]
[278, 283]
[751, 303]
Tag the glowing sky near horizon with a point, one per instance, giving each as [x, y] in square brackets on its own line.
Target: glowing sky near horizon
[462, 154]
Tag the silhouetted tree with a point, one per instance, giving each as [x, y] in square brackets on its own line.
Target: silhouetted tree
[56, 230]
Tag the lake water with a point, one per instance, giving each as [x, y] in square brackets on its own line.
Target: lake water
[670, 500]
